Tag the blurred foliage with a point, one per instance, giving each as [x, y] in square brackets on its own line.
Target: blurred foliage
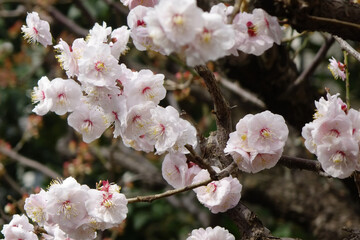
[40, 138]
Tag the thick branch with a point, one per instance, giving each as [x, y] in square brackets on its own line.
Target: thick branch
[337, 17]
[301, 164]
[222, 109]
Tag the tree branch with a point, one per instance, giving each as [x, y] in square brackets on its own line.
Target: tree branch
[310, 70]
[345, 46]
[337, 17]
[29, 162]
[221, 107]
[71, 25]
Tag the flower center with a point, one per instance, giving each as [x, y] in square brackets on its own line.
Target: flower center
[251, 29]
[36, 31]
[265, 133]
[87, 126]
[338, 157]
[99, 66]
[178, 20]
[206, 35]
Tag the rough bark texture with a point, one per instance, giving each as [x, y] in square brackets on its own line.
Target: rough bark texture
[300, 15]
[322, 205]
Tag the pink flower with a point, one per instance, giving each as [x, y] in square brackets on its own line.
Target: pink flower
[337, 69]
[37, 30]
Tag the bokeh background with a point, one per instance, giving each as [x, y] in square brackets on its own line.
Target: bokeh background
[290, 203]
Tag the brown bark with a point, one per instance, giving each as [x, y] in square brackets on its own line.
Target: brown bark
[337, 17]
[321, 205]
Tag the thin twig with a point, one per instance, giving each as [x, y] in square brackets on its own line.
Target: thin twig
[237, 7]
[117, 7]
[244, 94]
[334, 21]
[29, 162]
[88, 15]
[12, 183]
[151, 198]
[345, 46]
[224, 173]
[71, 25]
[310, 70]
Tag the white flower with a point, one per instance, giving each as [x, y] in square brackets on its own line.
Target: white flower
[223, 10]
[98, 67]
[213, 42]
[341, 159]
[90, 122]
[187, 135]
[35, 207]
[68, 55]
[139, 33]
[256, 32]
[138, 121]
[145, 86]
[98, 34]
[217, 233]
[37, 30]
[19, 228]
[119, 40]
[107, 207]
[177, 172]
[337, 69]
[39, 96]
[267, 132]
[162, 131]
[65, 95]
[218, 196]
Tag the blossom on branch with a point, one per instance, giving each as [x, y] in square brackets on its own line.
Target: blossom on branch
[218, 196]
[337, 69]
[333, 136]
[258, 141]
[37, 30]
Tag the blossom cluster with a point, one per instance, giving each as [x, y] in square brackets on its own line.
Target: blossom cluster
[258, 141]
[334, 136]
[109, 94]
[180, 26]
[70, 210]
[209, 233]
